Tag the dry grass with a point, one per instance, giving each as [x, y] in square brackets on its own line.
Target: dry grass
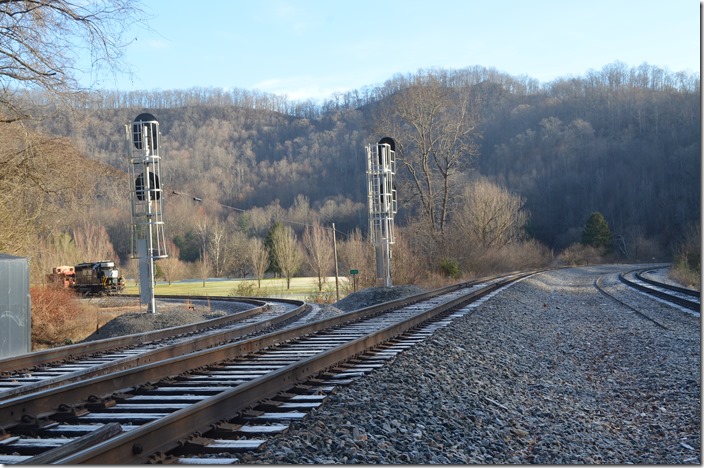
[688, 277]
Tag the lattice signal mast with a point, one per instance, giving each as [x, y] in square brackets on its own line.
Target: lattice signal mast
[148, 241]
[381, 193]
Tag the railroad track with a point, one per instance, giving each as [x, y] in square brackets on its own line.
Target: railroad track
[42, 370]
[215, 402]
[683, 297]
[630, 279]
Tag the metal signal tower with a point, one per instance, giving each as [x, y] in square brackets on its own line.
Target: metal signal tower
[381, 193]
[148, 241]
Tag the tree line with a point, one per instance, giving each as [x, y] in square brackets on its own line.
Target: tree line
[491, 168]
[603, 142]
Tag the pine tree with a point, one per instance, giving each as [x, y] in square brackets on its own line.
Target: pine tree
[275, 231]
[596, 232]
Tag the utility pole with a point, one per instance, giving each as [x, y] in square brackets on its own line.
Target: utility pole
[337, 273]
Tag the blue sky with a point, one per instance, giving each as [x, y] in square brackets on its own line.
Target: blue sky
[310, 49]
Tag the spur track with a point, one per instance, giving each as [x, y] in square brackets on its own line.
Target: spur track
[218, 400]
[41, 370]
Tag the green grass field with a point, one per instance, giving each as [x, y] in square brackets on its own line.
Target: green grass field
[301, 288]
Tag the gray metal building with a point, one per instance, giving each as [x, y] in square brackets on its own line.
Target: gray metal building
[15, 306]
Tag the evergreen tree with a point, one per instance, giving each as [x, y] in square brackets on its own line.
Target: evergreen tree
[596, 232]
[275, 231]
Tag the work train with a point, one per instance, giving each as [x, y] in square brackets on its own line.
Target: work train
[89, 279]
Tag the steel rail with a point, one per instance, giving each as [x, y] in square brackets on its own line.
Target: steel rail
[598, 284]
[158, 354]
[39, 404]
[38, 407]
[671, 287]
[691, 305]
[162, 435]
[38, 358]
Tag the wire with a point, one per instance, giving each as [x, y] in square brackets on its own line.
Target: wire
[200, 200]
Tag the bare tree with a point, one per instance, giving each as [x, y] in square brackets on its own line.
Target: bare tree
[93, 242]
[491, 216]
[217, 248]
[435, 127]
[204, 267]
[42, 42]
[357, 253]
[317, 241]
[38, 177]
[259, 258]
[172, 267]
[202, 230]
[55, 249]
[406, 266]
[237, 262]
[287, 253]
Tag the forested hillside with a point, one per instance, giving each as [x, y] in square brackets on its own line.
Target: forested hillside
[624, 142]
[240, 156]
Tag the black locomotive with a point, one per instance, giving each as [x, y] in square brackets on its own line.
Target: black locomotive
[91, 278]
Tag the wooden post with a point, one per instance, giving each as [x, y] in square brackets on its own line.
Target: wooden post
[334, 246]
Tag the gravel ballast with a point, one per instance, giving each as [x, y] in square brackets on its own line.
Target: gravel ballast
[170, 313]
[548, 371]
[177, 312]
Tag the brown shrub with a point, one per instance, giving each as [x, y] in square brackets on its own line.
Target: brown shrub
[687, 265]
[434, 280]
[406, 266]
[580, 254]
[689, 278]
[58, 317]
[513, 257]
[327, 296]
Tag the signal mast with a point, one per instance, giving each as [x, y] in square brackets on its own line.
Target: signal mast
[148, 241]
[381, 193]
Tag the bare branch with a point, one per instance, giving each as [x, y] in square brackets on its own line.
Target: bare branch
[42, 43]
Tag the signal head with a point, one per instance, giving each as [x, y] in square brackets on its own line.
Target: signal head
[145, 123]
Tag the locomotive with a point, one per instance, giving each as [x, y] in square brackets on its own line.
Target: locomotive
[91, 278]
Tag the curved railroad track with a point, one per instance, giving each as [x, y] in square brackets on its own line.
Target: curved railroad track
[50, 368]
[687, 298]
[669, 294]
[222, 399]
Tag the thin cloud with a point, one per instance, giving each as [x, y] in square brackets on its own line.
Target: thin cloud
[301, 88]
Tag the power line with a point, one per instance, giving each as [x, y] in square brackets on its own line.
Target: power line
[200, 200]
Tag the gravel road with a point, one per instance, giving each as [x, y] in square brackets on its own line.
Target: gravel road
[549, 371]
